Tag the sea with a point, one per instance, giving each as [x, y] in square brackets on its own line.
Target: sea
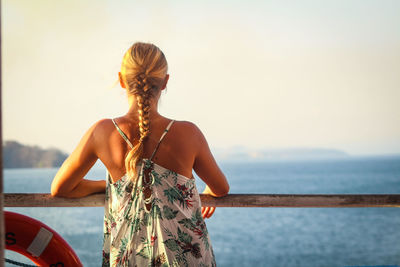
[260, 236]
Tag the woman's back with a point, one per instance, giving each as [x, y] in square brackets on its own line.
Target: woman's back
[154, 219]
[177, 151]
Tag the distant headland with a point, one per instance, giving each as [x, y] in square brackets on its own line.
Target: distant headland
[16, 155]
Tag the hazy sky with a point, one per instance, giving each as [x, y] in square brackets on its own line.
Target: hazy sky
[258, 74]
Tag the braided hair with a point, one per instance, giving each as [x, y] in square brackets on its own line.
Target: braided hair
[143, 70]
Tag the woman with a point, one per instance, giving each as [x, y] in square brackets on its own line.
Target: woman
[153, 215]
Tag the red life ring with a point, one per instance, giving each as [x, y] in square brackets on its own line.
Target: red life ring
[38, 242]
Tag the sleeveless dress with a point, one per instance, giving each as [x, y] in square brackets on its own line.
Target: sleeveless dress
[163, 228]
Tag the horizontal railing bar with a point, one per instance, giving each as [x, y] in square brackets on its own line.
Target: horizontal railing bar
[231, 200]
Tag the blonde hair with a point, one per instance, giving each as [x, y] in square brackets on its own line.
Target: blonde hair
[144, 69]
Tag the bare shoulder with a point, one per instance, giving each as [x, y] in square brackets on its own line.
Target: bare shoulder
[187, 128]
[189, 135]
[102, 128]
[106, 122]
[185, 125]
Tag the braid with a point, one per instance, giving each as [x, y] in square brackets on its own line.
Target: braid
[144, 69]
[144, 118]
[136, 153]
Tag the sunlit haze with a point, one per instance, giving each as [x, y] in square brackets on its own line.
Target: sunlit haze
[256, 74]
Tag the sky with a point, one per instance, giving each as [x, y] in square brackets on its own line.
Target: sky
[254, 74]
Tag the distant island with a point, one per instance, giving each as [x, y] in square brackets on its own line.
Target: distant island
[277, 154]
[16, 155]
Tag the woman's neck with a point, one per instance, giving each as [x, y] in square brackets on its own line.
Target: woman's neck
[134, 109]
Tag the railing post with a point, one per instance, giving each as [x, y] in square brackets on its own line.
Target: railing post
[2, 234]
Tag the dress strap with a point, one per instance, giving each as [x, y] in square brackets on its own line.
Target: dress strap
[122, 133]
[161, 138]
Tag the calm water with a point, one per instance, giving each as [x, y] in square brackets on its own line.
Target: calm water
[262, 236]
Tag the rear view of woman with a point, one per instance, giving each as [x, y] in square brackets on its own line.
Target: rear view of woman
[153, 215]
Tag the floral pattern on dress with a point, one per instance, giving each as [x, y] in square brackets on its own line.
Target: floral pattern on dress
[165, 229]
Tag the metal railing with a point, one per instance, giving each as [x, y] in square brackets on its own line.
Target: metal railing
[231, 200]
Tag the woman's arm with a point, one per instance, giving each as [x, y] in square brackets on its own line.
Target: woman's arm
[69, 181]
[207, 169]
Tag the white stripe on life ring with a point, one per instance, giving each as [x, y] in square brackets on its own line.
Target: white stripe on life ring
[40, 242]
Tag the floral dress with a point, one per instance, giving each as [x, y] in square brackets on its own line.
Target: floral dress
[155, 220]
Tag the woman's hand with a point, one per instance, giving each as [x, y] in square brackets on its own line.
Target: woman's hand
[207, 212]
